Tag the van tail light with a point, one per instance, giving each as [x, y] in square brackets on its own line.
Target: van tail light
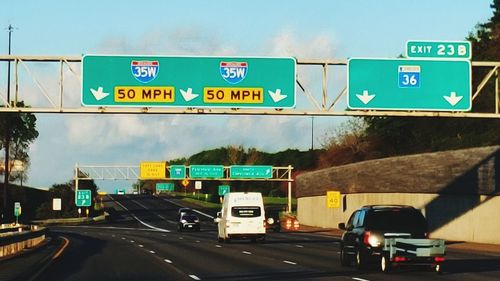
[439, 259]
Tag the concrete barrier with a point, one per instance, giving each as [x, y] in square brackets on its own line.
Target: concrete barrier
[476, 220]
[12, 243]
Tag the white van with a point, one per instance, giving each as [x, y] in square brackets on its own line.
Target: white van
[242, 217]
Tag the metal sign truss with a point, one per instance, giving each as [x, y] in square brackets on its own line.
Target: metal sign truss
[131, 172]
[320, 104]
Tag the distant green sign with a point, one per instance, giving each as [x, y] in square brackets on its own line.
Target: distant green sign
[83, 198]
[223, 189]
[251, 172]
[206, 171]
[165, 186]
[437, 49]
[177, 172]
[409, 84]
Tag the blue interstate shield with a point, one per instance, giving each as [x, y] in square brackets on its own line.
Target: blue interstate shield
[233, 72]
[145, 71]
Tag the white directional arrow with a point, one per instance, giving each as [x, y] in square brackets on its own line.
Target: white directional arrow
[276, 95]
[365, 97]
[99, 94]
[453, 99]
[188, 95]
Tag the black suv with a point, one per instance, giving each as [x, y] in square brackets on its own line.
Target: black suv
[364, 235]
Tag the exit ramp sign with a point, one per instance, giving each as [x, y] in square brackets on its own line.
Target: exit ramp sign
[438, 49]
[147, 81]
[409, 84]
[83, 198]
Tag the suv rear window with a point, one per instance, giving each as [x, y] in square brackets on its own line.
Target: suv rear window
[396, 220]
[245, 212]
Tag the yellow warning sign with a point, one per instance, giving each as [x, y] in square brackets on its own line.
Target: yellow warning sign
[333, 199]
[233, 95]
[152, 170]
[144, 94]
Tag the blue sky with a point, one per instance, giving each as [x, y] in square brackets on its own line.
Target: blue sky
[303, 29]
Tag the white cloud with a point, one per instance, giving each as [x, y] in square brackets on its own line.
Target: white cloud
[289, 43]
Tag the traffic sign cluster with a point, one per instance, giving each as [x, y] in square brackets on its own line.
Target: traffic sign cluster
[233, 82]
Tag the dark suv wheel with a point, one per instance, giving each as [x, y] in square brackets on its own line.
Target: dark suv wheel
[344, 259]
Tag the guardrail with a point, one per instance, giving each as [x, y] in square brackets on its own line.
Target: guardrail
[14, 242]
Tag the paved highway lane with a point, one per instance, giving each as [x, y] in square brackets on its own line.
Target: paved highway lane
[143, 244]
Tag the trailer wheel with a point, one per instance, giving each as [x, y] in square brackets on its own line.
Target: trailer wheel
[385, 264]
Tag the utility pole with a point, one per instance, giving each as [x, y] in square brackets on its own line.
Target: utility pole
[312, 133]
[10, 29]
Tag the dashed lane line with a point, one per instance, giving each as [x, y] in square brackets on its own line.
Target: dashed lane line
[360, 279]
[290, 262]
[167, 261]
[194, 277]
[246, 252]
[135, 217]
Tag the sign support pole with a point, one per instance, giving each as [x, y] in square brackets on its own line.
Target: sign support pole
[289, 189]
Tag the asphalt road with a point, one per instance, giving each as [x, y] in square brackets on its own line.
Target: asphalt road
[142, 243]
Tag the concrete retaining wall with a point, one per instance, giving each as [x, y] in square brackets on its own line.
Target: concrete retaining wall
[479, 223]
[458, 191]
[12, 243]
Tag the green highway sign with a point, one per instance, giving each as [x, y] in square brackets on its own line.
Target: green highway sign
[251, 172]
[168, 186]
[83, 198]
[438, 49]
[206, 171]
[177, 172]
[17, 209]
[409, 84]
[223, 189]
[147, 81]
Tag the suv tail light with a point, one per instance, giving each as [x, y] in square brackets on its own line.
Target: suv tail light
[371, 239]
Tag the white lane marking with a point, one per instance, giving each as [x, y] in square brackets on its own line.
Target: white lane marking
[143, 223]
[124, 238]
[146, 208]
[167, 261]
[132, 241]
[113, 235]
[152, 252]
[299, 246]
[141, 246]
[197, 241]
[360, 279]
[194, 277]
[108, 227]
[218, 246]
[290, 262]
[246, 253]
[178, 205]
[181, 238]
